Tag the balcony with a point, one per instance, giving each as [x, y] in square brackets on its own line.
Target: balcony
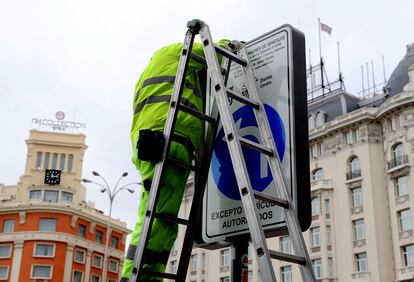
[321, 184]
[405, 274]
[361, 276]
[398, 161]
[353, 174]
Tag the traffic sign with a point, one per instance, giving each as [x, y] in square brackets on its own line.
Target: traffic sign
[278, 61]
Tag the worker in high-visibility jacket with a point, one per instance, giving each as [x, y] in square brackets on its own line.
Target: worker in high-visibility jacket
[151, 102]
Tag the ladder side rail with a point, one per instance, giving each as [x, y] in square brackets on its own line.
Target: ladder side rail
[200, 181]
[159, 168]
[267, 138]
[236, 154]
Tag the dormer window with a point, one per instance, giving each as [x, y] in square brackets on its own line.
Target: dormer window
[311, 121]
[320, 118]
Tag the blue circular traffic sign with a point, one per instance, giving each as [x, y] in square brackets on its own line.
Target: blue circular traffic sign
[257, 165]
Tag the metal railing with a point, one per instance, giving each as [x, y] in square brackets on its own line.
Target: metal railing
[353, 174]
[397, 161]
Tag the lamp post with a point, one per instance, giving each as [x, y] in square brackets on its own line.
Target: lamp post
[111, 194]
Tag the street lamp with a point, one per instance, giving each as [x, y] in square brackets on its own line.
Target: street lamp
[111, 194]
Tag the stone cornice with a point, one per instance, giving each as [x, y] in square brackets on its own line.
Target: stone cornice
[66, 209]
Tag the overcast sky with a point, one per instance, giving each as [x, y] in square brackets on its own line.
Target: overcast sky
[84, 57]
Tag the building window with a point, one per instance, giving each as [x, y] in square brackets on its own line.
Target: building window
[113, 265]
[44, 250]
[311, 122]
[356, 197]
[5, 251]
[286, 273]
[54, 161]
[317, 174]
[398, 154]
[320, 119]
[285, 245]
[327, 206]
[329, 234]
[408, 252]
[77, 276]
[38, 160]
[321, 148]
[316, 236]
[317, 267]
[402, 186]
[41, 272]
[390, 125]
[4, 272]
[114, 242]
[316, 209]
[250, 276]
[194, 261]
[82, 231]
[98, 237]
[404, 217]
[203, 261]
[359, 229]
[354, 169]
[174, 267]
[347, 138]
[66, 196]
[46, 163]
[62, 162]
[357, 135]
[225, 257]
[399, 120]
[225, 279]
[70, 163]
[35, 194]
[79, 256]
[95, 278]
[47, 224]
[330, 268]
[97, 261]
[361, 262]
[8, 225]
[51, 196]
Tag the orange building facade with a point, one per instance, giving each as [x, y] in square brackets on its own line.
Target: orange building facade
[49, 232]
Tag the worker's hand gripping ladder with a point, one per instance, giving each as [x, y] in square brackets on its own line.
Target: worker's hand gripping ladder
[235, 143]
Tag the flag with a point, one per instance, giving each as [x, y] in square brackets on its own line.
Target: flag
[326, 28]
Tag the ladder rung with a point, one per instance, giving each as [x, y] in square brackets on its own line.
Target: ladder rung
[198, 59]
[159, 274]
[181, 165]
[255, 146]
[171, 218]
[273, 200]
[242, 99]
[230, 55]
[287, 257]
[197, 114]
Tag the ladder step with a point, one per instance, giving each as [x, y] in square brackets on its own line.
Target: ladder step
[181, 165]
[171, 218]
[253, 145]
[159, 274]
[273, 200]
[230, 55]
[197, 114]
[242, 99]
[287, 257]
[198, 59]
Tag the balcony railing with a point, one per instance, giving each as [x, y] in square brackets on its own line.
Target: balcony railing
[353, 174]
[400, 160]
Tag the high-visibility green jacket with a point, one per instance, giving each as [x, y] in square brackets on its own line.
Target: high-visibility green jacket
[153, 93]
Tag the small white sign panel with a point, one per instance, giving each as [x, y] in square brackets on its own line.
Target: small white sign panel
[223, 215]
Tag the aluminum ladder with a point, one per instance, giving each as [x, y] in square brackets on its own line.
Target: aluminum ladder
[218, 75]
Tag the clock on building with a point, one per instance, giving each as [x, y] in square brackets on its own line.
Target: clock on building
[52, 176]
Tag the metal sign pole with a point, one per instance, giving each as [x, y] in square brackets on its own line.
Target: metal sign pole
[240, 261]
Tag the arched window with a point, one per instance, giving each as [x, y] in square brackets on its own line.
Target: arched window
[70, 162]
[354, 168]
[54, 161]
[38, 160]
[311, 121]
[317, 174]
[62, 161]
[320, 119]
[46, 163]
[398, 154]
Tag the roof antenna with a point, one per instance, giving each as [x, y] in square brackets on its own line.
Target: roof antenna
[362, 76]
[373, 78]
